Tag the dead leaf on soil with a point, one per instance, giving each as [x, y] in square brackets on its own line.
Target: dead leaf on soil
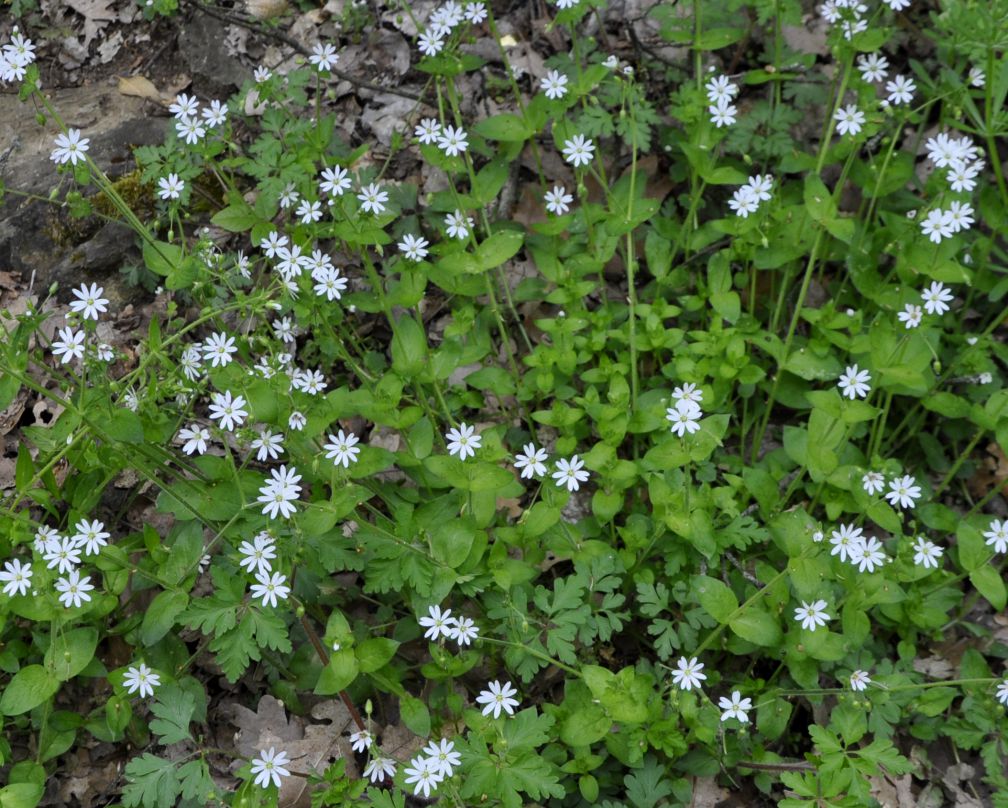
[935, 667]
[96, 13]
[991, 472]
[707, 793]
[142, 87]
[893, 793]
[311, 747]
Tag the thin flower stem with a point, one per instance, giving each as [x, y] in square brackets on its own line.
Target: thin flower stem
[963, 455]
[323, 656]
[534, 652]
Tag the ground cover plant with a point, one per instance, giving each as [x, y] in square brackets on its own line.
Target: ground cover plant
[663, 476]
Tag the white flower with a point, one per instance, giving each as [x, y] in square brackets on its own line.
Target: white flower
[936, 298]
[688, 673]
[719, 87]
[257, 554]
[849, 119]
[335, 181]
[141, 679]
[744, 202]
[228, 410]
[859, 680]
[812, 615]
[45, 538]
[911, 315]
[898, 5]
[961, 215]
[280, 493]
[289, 196]
[215, 114]
[867, 554]
[684, 417]
[261, 74]
[463, 441]
[554, 84]
[873, 482]
[63, 556]
[379, 768]
[184, 106]
[91, 536]
[424, 773]
[272, 243]
[817, 536]
[927, 553]
[342, 450]
[89, 302]
[961, 177]
[438, 623]
[329, 283]
[558, 200]
[1002, 692]
[901, 90]
[475, 13]
[308, 211]
[938, 225]
[414, 247]
[361, 740]
[997, 536]
[845, 540]
[578, 150]
[297, 421]
[532, 462]
[324, 57]
[458, 224]
[723, 113]
[688, 392]
[270, 587]
[443, 756]
[903, 491]
[171, 187]
[70, 345]
[452, 141]
[498, 697]
[427, 131]
[735, 707]
[464, 631]
[69, 147]
[976, 77]
[373, 198]
[73, 589]
[873, 66]
[570, 473]
[268, 446]
[191, 130]
[219, 348]
[854, 383]
[269, 766]
[430, 43]
[195, 438]
[16, 577]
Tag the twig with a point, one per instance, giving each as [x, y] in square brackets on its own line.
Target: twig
[796, 766]
[324, 656]
[282, 37]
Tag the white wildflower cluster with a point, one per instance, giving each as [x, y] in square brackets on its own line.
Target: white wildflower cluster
[16, 56]
[443, 22]
[851, 15]
[747, 198]
[720, 96]
[964, 161]
[851, 545]
[685, 414]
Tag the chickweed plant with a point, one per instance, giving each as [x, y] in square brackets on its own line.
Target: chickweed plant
[657, 473]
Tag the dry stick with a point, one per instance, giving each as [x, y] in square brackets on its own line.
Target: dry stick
[282, 37]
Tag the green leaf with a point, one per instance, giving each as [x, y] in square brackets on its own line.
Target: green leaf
[30, 686]
[452, 541]
[173, 711]
[236, 218]
[21, 795]
[990, 584]
[375, 653]
[152, 782]
[716, 597]
[409, 347]
[161, 257]
[498, 248]
[70, 652]
[973, 550]
[504, 127]
[161, 615]
[339, 673]
[415, 715]
[757, 626]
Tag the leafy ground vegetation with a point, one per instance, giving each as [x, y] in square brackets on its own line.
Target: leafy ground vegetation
[664, 478]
